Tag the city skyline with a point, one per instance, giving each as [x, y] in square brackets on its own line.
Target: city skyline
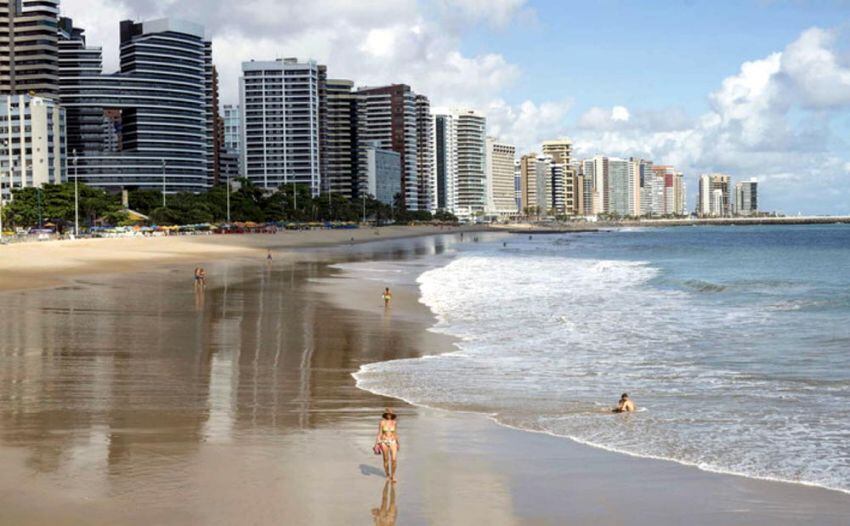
[733, 98]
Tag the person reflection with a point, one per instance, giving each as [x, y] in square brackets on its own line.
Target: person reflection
[386, 514]
[199, 298]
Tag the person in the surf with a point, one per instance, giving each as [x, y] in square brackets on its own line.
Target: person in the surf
[387, 296]
[625, 405]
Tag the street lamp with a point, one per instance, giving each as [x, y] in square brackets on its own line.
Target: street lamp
[5, 144]
[163, 183]
[228, 197]
[76, 198]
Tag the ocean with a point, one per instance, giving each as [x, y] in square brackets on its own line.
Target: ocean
[733, 341]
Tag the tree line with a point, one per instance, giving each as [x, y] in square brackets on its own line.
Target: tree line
[54, 204]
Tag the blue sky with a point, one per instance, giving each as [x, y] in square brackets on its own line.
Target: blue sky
[648, 53]
[752, 88]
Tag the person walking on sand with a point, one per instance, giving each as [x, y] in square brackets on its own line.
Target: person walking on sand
[200, 277]
[269, 257]
[387, 295]
[387, 440]
[625, 405]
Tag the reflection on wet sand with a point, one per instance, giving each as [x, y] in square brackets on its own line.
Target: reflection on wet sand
[387, 513]
[113, 386]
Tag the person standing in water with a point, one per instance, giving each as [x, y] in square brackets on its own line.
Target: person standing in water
[387, 439]
[269, 257]
[625, 405]
[387, 295]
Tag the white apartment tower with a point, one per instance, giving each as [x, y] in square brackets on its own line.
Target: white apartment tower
[32, 131]
[444, 179]
[282, 101]
[471, 137]
[709, 204]
[501, 186]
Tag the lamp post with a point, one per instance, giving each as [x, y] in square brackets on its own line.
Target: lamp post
[5, 144]
[76, 198]
[228, 197]
[163, 184]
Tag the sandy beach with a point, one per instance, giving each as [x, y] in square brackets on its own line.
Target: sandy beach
[129, 398]
[48, 263]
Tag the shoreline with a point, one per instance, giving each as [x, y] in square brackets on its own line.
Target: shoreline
[492, 418]
[50, 263]
[489, 472]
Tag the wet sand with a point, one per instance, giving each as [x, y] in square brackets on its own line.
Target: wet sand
[133, 399]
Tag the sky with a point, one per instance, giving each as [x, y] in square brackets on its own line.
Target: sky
[752, 88]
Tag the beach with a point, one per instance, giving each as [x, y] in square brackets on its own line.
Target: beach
[127, 397]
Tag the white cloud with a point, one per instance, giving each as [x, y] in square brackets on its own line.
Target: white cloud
[496, 12]
[370, 41]
[529, 123]
[619, 113]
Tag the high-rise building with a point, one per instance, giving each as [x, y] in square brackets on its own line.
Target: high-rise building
[425, 151]
[746, 197]
[32, 142]
[559, 150]
[215, 125]
[622, 185]
[28, 47]
[445, 163]
[282, 104]
[232, 126]
[391, 115]
[557, 186]
[709, 204]
[596, 174]
[471, 179]
[383, 173]
[339, 157]
[518, 184]
[499, 168]
[149, 125]
[575, 193]
[536, 184]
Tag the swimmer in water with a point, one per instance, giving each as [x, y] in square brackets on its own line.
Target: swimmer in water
[387, 295]
[625, 405]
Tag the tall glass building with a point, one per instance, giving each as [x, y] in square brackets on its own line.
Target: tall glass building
[150, 124]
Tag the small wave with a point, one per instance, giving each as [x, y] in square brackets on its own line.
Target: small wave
[703, 286]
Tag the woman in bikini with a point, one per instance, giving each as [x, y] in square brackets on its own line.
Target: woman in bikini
[387, 439]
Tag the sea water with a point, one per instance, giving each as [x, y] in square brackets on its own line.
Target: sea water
[734, 342]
